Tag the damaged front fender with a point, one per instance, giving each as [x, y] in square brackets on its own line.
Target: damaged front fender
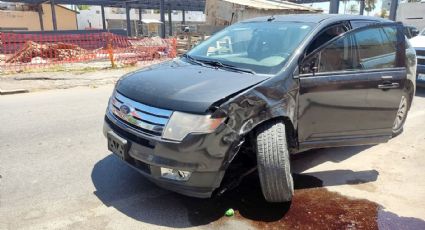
[272, 99]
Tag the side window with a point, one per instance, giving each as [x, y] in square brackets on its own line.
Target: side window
[369, 48]
[377, 47]
[326, 36]
[339, 56]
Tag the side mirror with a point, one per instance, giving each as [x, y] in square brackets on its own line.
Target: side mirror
[309, 65]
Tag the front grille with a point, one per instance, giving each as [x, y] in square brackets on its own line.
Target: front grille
[144, 118]
[420, 52]
[128, 135]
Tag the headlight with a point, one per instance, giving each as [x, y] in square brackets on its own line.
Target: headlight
[181, 124]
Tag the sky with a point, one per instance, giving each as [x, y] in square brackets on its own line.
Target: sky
[325, 6]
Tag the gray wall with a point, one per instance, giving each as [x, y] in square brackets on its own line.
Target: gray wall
[412, 14]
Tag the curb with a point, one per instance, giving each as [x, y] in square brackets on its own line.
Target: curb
[13, 91]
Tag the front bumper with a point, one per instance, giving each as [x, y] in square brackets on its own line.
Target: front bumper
[205, 155]
[420, 70]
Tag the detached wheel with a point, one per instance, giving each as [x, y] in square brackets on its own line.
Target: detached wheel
[273, 163]
[401, 115]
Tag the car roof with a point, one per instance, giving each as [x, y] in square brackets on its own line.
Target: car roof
[316, 18]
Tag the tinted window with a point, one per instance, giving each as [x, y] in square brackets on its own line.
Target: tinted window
[377, 47]
[338, 56]
[372, 48]
[325, 36]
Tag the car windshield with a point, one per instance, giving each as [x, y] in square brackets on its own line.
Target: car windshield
[256, 47]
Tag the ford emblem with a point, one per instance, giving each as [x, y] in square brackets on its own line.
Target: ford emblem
[125, 109]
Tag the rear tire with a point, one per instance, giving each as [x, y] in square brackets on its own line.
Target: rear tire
[273, 163]
[401, 115]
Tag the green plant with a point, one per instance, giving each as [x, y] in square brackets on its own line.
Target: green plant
[83, 7]
[383, 14]
[370, 5]
[353, 9]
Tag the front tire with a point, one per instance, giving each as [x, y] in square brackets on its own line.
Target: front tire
[273, 163]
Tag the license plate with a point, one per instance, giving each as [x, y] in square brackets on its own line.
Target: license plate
[421, 77]
[117, 145]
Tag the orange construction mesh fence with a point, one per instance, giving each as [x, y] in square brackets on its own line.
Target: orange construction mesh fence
[26, 51]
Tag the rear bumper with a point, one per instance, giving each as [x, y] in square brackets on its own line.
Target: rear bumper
[204, 155]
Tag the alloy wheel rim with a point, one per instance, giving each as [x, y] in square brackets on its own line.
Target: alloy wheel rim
[401, 113]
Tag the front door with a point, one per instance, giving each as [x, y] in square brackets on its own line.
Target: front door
[351, 87]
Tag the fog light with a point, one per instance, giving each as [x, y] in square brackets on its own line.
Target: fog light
[174, 174]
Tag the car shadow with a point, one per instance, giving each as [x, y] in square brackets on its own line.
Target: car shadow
[302, 161]
[309, 159]
[119, 186]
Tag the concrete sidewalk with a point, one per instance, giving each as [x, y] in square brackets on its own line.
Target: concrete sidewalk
[30, 82]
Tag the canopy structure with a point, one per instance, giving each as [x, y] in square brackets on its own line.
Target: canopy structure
[188, 5]
[169, 5]
[162, 5]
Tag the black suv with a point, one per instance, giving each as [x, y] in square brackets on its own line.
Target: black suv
[278, 85]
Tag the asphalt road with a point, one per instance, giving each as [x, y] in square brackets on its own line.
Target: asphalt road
[56, 173]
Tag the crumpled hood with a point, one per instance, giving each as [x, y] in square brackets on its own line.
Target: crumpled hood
[181, 86]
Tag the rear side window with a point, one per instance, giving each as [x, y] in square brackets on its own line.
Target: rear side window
[364, 49]
[377, 47]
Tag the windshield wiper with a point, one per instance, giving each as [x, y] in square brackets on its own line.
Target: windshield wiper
[227, 66]
[190, 58]
[217, 64]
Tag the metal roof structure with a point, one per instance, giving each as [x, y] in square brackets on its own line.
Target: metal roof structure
[188, 5]
[271, 5]
[169, 5]
[162, 5]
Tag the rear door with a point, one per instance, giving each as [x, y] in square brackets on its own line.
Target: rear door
[351, 87]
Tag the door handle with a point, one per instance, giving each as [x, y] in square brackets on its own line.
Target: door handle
[387, 77]
[389, 86]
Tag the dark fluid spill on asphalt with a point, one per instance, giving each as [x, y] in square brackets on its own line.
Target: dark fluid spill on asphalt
[312, 207]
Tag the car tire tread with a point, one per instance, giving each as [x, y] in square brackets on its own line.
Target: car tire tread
[273, 163]
[396, 132]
